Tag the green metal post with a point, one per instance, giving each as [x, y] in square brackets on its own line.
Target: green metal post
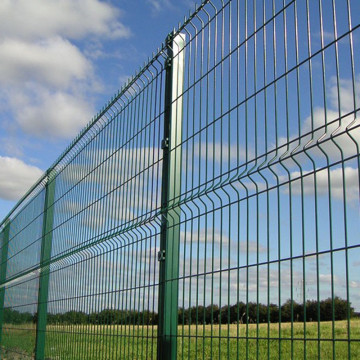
[46, 245]
[3, 267]
[171, 187]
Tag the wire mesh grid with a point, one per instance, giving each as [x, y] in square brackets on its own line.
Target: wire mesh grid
[211, 209]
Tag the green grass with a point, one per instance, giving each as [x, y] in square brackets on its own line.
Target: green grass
[18, 341]
[202, 341]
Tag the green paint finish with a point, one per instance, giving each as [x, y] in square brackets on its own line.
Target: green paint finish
[171, 190]
[46, 246]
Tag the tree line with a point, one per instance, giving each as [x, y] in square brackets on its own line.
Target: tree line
[325, 310]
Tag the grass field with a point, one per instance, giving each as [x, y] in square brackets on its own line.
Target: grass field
[202, 341]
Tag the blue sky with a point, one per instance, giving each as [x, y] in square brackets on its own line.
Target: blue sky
[60, 62]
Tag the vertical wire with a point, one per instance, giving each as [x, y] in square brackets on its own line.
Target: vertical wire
[238, 162]
[299, 117]
[192, 118]
[213, 176]
[199, 177]
[148, 244]
[127, 267]
[207, 116]
[343, 179]
[203, 315]
[327, 161]
[158, 190]
[184, 245]
[117, 268]
[100, 249]
[221, 171]
[277, 179]
[136, 203]
[285, 38]
[330, 187]
[247, 161]
[228, 170]
[123, 304]
[310, 72]
[353, 79]
[267, 192]
[89, 300]
[255, 183]
[111, 215]
[201, 171]
[132, 243]
[146, 195]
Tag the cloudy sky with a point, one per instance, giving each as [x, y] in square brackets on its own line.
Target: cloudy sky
[60, 61]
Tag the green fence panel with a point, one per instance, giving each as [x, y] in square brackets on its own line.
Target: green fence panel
[211, 209]
[4, 241]
[20, 279]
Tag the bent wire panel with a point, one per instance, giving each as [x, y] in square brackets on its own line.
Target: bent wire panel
[211, 209]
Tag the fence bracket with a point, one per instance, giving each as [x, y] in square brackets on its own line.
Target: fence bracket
[165, 143]
[161, 255]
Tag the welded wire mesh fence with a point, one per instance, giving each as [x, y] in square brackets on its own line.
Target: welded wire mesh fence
[211, 209]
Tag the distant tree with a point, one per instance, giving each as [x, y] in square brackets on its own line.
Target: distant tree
[224, 312]
[263, 313]
[35, 318]
[298, 312]
[75, 317]
[326, 310]
[312, 307]
[16, 317]
[286, 311]
[274, 313]
[340, 307]
[240, 312]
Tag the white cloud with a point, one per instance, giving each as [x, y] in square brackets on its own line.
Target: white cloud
[344, 92]
[351, 176]
[316, 124]
[337, 136]
[334, 133]
[252, 247]
[46, 81]
[56, 114]
[155, 4]
[159, 5]
[221, 152]
[354, 284]
[116, 165]
[16, 177]
[205, 235]
[110, 175]
[347, 131]
[214, 236]
[73, 19]
[54, 62]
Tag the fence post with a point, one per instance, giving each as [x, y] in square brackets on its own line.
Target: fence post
[45, 256]
[3, 267]
[168, 255]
